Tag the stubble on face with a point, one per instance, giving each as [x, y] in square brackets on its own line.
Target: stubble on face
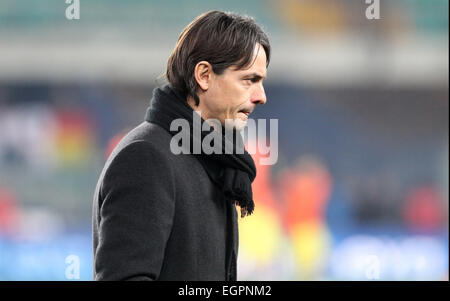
[239, 87]
[230, 94]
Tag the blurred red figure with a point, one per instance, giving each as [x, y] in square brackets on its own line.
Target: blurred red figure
[306, 190]
[9, 213]
[423, 208]
[263, 184]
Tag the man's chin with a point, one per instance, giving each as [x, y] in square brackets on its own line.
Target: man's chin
[239, 124]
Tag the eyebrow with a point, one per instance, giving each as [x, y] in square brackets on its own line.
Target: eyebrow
[254, 75]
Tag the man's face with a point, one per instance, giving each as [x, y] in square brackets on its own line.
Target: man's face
[235, 93]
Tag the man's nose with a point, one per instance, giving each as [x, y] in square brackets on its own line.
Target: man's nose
[259, 95]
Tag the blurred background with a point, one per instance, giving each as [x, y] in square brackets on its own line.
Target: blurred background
[360, 188]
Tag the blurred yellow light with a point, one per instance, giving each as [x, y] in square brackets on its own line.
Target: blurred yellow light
[259, 234]
[311, 241]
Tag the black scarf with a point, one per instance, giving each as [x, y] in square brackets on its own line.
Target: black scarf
[233, 173]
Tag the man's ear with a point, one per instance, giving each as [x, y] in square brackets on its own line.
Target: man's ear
[203, 73]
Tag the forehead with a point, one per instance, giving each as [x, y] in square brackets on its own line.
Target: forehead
[258, 65]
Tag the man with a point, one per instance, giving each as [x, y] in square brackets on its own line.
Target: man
[162, 215]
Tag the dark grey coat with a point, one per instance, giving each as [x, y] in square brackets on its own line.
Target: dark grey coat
[158, 216]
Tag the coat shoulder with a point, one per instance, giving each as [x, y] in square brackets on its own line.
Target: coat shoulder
[147, 145]
[151, 133]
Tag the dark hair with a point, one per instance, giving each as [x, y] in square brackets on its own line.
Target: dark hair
[223, 39]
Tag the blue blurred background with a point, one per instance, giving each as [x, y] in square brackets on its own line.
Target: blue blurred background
[360, 188]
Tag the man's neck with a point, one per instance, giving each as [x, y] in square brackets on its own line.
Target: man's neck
[202, 113]
[191, 103]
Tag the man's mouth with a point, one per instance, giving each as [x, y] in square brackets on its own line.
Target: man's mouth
[246, 112]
